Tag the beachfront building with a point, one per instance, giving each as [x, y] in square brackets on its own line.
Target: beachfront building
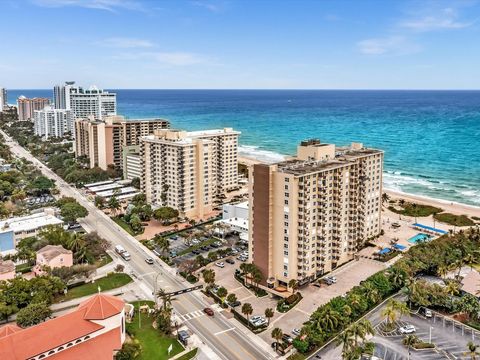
[51, 122]
[189, 171]
[85, 102]
[26, 107]
[94, 330]
[14, 229]
[3, 99]
[132, 162]
[313, 213]
[102, 141]
[52, 256]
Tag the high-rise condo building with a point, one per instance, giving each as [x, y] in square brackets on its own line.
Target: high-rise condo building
[102, 140]
[26, 107]
[50, 122]
[85, 102]
[3, 99]
[189, 171]
[313, 213]
[61, 94]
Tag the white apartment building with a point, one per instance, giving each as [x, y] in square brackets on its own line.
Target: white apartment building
[3, 99]
[85, 102]
[313, 213]
[51, 122]
[189, 171]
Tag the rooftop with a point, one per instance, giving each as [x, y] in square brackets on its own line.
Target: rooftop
[50, 252]
[30, 222]
[6, 266]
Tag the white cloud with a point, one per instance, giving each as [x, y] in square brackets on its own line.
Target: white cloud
[167, 58]
[126, 43]
[207, 5]
[392, 45]
[443, 19]
[108, 5]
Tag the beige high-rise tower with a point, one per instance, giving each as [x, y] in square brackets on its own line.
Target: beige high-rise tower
[313, 213]
[189, 171]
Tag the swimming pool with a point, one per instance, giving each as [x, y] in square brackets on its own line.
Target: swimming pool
[419, 237]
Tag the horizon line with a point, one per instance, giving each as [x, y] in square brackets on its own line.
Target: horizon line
[268, 89]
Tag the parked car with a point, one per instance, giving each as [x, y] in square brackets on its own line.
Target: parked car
[149, 261]
[196, 252]
[296, 332]
[126, 256]
[260, 322]
[428, 313]
[220, 264]
[287, 338]
[234, 304]
[230, 261]
[208, 311]
[407, 329]
[255, 318]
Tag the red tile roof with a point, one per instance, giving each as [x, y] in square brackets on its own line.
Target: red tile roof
[9, 329]
[101, 307]
[29, 342]
[98, 348]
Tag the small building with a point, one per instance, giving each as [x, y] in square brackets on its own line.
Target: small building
[239, 210]
[95, 330]
[14, 229]
[471, 283]
[7, 270]
[53, 256]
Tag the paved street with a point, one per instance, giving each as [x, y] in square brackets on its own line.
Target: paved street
[217, 332]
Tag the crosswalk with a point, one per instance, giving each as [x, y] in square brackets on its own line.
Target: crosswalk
[197, 313]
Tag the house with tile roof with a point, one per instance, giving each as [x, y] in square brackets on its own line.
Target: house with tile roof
[95, 330]
[53, 256]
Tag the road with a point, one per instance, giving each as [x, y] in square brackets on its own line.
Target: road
[221, 336]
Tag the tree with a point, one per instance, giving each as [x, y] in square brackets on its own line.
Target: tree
[209, 277]
[42, 185]
[326, 320]
[269, 314]
[360, 330]
[130, 350]
[247, 310]
[72, 211]
[163, 244]
[393, 310]
[165, 214]
[136, 223]
[6, 310]
[231, 298]
[222, 292]
[33, 314]
[409, 341]
[277, 334]
[346, 340]
[293, 284]
[136, 182]
[385, 198]
[472, 350]
[99, 202]
[113, 204]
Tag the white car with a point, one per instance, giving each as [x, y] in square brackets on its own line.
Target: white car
[428, 313]
[296, 332]
[220, 264]
[260, 322]
[407, 329]
[255, 318]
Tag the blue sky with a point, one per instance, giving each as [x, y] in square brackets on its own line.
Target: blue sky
[241, 44]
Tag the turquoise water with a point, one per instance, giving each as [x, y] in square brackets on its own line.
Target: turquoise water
[430, 138]
[419, 237]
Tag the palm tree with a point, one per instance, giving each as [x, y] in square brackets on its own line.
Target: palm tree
[166, 299]
[277, 334]
[113, 204]
[209, 277]
[471, 259]
[442, 271]
[329, 320]
[452, 288]
[385, 198]
[247, 310]
[361, 329]
[472, 350]
[346, 340]
[293, 284]
[269, 314]
[397, 277]
[409, 341]
[163, 244]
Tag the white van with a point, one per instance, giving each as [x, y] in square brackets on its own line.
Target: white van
[119, 249]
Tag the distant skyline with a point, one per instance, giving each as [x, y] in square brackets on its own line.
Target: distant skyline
[232, 44]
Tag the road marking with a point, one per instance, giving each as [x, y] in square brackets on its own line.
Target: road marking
[147, 274]
[223, 331]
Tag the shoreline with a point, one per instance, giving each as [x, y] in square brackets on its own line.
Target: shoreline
[448, 206]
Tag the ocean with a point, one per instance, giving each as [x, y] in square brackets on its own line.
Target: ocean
[430, 138]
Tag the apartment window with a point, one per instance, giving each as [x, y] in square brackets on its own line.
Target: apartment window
[285, 267]
[285, 253]
[285, 274]
[287, 180]
[286, 202]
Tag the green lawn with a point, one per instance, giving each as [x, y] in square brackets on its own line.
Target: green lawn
[195, 247]
[457, 220]
[189, 355]
[154, 344]
[106, 259]
[108, 282]
[125, 226]
[23, 268]
[411, 209]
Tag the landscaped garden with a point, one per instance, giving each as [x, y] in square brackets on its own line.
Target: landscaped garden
[452, 219]
[154, 344]
[412, 209]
